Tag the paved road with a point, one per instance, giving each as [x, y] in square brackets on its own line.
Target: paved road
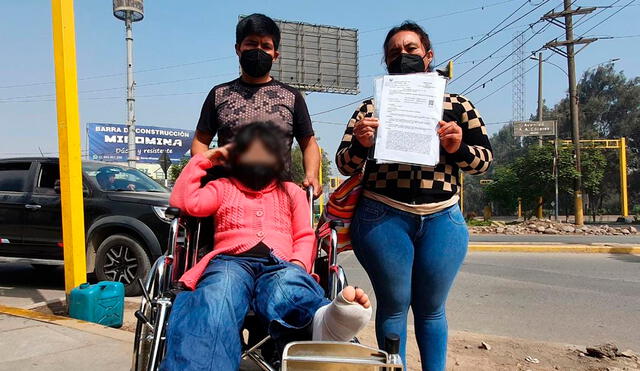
[545, 238]
[572, 298]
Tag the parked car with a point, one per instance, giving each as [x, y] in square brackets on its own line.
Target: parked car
[125, 225]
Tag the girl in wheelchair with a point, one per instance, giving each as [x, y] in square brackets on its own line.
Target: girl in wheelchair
[263, 253]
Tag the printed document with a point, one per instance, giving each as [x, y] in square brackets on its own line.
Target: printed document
[409, 108]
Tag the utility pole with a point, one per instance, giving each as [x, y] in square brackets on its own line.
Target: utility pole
[540, 93]
[570, 54]
[539, 208]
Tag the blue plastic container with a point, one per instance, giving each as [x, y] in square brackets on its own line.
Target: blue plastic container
[101, 303]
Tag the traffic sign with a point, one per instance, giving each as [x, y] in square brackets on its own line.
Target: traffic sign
[534, 128]
[165, 163]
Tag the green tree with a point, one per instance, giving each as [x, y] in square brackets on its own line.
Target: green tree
[297, 165]
[531, 176]
[176, 169]
[609, 107]
[504, 190]
[593, 169]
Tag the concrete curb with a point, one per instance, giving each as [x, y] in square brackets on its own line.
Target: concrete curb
[89, 327]
[558, 248]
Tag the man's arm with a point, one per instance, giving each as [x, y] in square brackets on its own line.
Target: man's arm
[207, 125]
[311, 160]
[200, 142]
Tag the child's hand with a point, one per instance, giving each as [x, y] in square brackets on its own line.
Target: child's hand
[299, 263]
[218, 156]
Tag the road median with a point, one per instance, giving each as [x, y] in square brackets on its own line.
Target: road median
[596, 248]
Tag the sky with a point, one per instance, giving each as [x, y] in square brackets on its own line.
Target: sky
[183, 48]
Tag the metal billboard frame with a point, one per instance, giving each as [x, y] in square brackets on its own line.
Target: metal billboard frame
[294, 66]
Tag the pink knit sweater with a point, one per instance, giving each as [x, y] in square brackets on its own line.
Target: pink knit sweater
[244, 217]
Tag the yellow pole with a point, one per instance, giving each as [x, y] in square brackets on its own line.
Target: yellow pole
[539, 211]
[519, 207]
[64, 56]
[321, 200]
[462, 192]
[624, 204]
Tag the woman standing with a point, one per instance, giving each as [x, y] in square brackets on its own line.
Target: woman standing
[408, 232]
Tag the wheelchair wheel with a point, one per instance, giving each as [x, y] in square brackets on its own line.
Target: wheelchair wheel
[149, 339]
[143, 340]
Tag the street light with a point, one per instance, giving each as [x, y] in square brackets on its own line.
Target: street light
[605, 62]
[129, 11]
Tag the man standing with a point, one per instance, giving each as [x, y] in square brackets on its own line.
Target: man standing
[256, 96]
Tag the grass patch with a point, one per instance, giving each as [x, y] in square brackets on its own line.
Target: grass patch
[478, 223]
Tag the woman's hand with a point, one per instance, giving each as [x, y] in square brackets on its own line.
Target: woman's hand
[450, 136]
[365, 130]
[218, 156]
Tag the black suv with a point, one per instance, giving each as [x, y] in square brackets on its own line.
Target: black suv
[125, 225]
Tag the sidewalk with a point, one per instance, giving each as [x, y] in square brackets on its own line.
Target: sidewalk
[31, 344]
[36, 341]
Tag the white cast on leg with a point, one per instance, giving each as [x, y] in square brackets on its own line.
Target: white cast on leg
[340, 320]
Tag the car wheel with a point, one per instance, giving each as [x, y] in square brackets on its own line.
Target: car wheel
[121, 258]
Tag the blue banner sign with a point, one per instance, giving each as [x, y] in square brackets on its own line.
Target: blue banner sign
[109, 142]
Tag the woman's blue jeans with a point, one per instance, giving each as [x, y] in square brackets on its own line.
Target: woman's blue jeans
[411, 260]
[204, 327]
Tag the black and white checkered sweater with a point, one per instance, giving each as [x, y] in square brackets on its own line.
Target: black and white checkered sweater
[420, 184]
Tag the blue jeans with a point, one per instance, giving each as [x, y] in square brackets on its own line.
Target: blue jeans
[204, 329]
[411, 260]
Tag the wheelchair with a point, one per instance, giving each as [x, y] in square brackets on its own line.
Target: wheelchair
[190, 239]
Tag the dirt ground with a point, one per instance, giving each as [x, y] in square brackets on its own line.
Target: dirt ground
[467, 353]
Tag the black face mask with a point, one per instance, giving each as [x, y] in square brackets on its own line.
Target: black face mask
[256, 62]
[254, 176]
[406, 63]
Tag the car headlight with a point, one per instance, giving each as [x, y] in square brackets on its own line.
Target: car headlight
[160, 212]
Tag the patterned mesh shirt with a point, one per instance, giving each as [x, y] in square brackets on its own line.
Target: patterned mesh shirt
[420, 184]
[233, 104]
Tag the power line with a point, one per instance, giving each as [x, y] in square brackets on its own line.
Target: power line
[158, 68]
[7, 99]
[490, 34]
[607, 18]
[503, 86]
[449, 14]
[339, 107]
[464, 91]
[500, 48]
[599, 23]
[171, 66]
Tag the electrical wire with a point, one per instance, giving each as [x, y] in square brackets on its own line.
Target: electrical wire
[491, 33]
[607, 18]
[234, 56]
[449, 14]
[500, 48]
[469, 89]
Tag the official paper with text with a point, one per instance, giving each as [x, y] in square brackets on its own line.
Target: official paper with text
[409, 108]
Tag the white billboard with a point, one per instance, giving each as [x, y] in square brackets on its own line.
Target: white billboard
[317, 58]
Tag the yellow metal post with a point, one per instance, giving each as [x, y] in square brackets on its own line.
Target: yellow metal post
[539, 209]
[462, 192]
[624, 203]
[64, 55]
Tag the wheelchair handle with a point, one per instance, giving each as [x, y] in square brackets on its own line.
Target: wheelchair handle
[311, 200]
[172, 212]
